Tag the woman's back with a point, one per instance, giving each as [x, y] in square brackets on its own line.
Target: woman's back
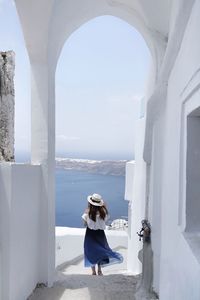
[95, 225]
[96, 248]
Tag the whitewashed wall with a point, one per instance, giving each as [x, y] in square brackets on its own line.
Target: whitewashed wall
[19, 230]
[154, 195]
[129, 178]
[177, 271]
[137, 201]
[5, 188]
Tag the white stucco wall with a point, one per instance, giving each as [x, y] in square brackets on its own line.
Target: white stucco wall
[5, 188]
[46, 27]
[178, 266]
[19, 230]
[129, 177]
[137, 201]
[154, 196]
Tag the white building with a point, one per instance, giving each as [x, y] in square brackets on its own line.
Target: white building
[165, 189]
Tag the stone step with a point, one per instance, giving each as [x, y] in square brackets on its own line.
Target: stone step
[88, 287]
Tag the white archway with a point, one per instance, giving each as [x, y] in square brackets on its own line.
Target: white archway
[137, 264]
[131, 67]
[62, 63]
[45, 39]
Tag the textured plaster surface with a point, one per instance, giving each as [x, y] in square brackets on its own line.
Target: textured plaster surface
[7, 66]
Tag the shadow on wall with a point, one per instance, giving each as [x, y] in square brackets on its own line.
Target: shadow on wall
[4, 231]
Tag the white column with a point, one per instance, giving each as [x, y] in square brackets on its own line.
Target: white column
[43, 152]
[137, 203]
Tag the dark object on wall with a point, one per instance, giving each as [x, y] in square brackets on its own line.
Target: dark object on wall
[145, 232]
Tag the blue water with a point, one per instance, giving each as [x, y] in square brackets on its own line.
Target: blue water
[72, 189]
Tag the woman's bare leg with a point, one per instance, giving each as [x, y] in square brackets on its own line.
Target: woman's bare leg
[93, 271]
[99, 270]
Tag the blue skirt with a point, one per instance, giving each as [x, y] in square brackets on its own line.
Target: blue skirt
[97, 250]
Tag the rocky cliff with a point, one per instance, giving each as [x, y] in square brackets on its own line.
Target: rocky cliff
[105, 167]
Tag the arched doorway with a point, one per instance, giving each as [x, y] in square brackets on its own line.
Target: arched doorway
[56, 21]
[76, 112]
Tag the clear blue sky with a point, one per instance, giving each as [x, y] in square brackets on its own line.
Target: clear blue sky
[101, 76]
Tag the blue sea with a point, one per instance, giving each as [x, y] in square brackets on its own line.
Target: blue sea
[72, 189]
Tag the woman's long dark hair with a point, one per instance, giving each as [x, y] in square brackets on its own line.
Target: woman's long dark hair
[94, 210]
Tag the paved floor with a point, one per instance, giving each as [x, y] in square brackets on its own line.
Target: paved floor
[77, 266]
[74, 282]
[87, 287]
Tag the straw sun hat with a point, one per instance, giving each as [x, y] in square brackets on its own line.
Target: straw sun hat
[95, 200]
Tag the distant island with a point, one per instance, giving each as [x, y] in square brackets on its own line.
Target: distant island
[104, 167]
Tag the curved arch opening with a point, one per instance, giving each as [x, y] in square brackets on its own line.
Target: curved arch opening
[90, 68]
[101, 78]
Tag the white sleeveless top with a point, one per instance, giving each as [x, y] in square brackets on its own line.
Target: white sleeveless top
[99, 224]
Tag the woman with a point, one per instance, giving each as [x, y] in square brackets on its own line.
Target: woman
[96, 248]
